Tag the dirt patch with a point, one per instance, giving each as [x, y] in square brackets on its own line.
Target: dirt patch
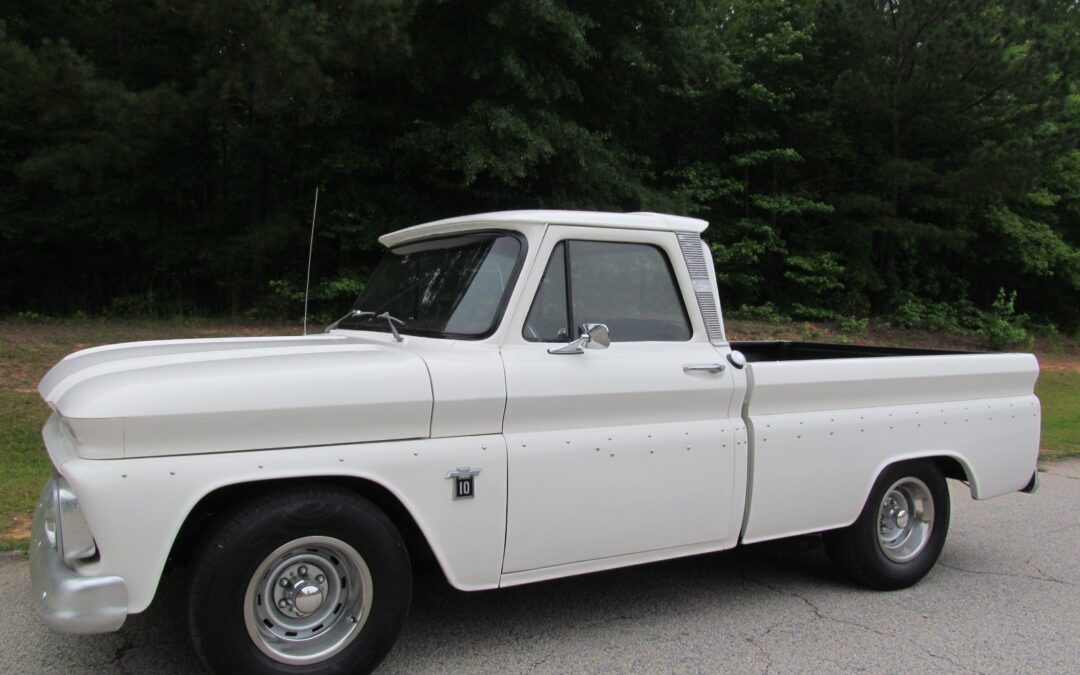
[19, 376]
[1068, 365]
[18, 528]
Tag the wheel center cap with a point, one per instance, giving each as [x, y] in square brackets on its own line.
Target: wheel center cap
[901, 518]
[308, 598]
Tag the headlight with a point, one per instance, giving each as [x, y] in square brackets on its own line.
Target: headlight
[76, 542]
[65, 527]
[49, 504]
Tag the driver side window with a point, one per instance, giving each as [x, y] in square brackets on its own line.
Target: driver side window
[630, 288]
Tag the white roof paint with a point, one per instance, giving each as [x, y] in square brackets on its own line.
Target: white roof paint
[639, 221]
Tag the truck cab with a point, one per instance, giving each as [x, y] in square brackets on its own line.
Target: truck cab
[599, 432]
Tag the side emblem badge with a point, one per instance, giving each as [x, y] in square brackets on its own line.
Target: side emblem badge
[463, 482]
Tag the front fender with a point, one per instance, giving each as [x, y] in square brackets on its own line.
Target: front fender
[136, 508]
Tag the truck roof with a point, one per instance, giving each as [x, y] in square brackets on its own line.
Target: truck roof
[639, 221]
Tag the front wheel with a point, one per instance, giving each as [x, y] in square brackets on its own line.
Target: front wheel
[901, 531]
[311, 580]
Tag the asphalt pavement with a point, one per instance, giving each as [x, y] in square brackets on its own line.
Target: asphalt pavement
[1004, 597]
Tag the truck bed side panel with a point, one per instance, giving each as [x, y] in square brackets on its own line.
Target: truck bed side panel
[822, 430]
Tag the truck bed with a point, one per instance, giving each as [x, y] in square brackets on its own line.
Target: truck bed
[787, 350]
[825, 419]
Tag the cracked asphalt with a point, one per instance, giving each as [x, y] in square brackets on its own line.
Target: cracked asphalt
[1004, 597]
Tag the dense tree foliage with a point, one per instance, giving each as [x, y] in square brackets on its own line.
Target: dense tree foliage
[910, 158]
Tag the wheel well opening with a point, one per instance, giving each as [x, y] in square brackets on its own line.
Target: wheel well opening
[225, 499]
[952, 468]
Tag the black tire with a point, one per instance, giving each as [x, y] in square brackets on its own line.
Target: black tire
[235, 548]
[856, 549]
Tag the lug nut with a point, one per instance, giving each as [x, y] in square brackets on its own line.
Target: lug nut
[284, 582]
[320, 579]
[302, 571]
[283, 603]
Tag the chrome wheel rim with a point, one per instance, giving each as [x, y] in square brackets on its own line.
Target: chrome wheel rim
[308, 600]
[905, 519]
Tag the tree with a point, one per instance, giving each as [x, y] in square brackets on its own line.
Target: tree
[854, 157]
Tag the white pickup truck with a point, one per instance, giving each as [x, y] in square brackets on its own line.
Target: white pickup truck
[523, 395]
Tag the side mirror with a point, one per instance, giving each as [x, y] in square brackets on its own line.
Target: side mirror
[592, 336]
[597, 334]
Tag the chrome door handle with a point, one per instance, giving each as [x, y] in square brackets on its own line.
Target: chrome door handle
[708, 367]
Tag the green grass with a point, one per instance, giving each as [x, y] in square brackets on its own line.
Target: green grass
[1059, 391]
[28, 350]
[7, 545]
[23, 463]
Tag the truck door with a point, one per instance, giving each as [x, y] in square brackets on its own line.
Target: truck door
[622, 450]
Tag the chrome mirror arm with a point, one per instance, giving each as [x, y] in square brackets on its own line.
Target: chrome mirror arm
[592, 336]
[576, 347]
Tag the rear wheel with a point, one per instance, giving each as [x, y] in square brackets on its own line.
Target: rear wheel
[901, 531]
[310, 580]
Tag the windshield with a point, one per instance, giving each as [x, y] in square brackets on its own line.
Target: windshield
[447, 287]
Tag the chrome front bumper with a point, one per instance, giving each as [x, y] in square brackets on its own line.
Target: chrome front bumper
[66, 600]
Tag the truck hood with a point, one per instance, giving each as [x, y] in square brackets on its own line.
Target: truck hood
[174, 397]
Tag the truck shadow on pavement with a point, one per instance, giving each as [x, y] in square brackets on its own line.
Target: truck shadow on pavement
[508, 628]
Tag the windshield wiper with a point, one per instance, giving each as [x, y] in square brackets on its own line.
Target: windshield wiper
[351, 313]
[355, 313]
[391, 320]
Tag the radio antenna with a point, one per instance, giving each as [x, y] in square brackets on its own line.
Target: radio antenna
[311, 246]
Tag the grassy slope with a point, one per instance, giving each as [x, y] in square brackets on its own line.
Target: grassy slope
[23, 464]
[28, 350]
[1059, 391]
